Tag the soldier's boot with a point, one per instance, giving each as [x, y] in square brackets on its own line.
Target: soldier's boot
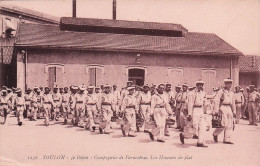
[215, 138]
[181, 138]
[201, 145]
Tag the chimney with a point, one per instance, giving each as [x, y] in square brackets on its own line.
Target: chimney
[73, 8]
[114, 9]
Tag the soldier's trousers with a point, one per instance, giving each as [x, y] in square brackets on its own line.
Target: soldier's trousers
[199, 123]
[92, 113]
[160, 116]
[252, 109]
[34, 110]
[115, 108]
[130, 118]
[80, 114]
[227, 122]
[56, 111]
[145, 110]
[19, 113]
[177, 112]
[239, 112]
[3, 112]
[107, 114]
[65, 109]
[47, 111]
[183, 117]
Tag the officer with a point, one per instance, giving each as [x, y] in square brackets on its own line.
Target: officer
[129, 108]
[160, 108]
[226, 108]
[116, 100]
[91, 102]
[106, 101]
[184, 106]
[178, 97]
[239, 100]
[47, 102]
[196, 103]
[4, 109]
[145, 105]
[80, 107]
[57, 99]
[253, 98]
[65, 104]
[19, 102]
[34, 104]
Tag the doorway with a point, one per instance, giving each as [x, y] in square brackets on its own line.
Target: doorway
[136, 76]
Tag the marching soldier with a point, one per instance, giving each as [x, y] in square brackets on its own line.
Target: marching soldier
[34, 104]
[184, 106]
[65, 104]
[106, 101]
[226, 108]
[129, 108]
[145, 105]
[116, 100]
[72, 102]
[47, 102]
[28, 97]
[170, 98]
[253, 98]
[153, 89]
[196, 103]
[4, 109]
[160, 108]
[239, 100]
[91, 107]
[178, 97]
[80, 107]
[19, 102]
[57, 99]
[244, 105]
[124, 91]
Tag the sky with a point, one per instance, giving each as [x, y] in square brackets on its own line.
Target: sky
[235, 21]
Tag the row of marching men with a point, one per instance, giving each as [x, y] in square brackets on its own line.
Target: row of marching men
[132, 104]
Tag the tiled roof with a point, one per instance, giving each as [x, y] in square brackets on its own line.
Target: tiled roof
[121, 24]
[249, 64]
[50, 36]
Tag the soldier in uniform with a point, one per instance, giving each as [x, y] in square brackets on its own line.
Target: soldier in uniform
[184, 106]
[196, 103]
[57, 99]
[34, 104]
[124, 91]
[253, 98]
[178, 97]
[170, 97]
[153, 89]
[28, 97]
[106, 101]
[65, 104]
[91, 107]
[160, 108]
[225, 107]
[47, 102]
[239, 100]
[72, 103]
[19, 102]
[80, 107]
[144, 102]
[244, 105]
[129, 108]
[4, 109]
[116, 100]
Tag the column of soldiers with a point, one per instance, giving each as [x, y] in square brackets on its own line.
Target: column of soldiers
[150, 107]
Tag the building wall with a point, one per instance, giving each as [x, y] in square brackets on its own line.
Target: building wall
[158, 68]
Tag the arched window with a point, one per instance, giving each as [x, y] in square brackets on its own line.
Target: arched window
[136, 74]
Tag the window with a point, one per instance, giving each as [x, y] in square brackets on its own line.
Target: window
[95, 74]
[55, 74]
[136, 74]
[175, 76]
[209, 77]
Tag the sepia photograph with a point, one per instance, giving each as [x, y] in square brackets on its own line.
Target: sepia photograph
[130, 82]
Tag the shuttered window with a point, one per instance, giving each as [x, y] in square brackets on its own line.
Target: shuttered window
[95, 75]
[209, 77]
[55, 75]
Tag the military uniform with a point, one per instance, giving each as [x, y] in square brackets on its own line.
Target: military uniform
[178, 98]
[239, 100]
[65, 106]
[145, 107]
[57, 100]
[47, 102]
[116, 101]
[106, 101]
[252, 107]
[34, 105]
[28, 98]
[226, 107]
[183, 108]
[80, 108]
[19, 102]
[160, 108]
[129, 108]
[4, 109]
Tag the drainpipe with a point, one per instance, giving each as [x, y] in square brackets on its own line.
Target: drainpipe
[25, 74]
[231, 60]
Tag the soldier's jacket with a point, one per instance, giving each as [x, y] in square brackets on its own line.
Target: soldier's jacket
[57, 99]
[252, 97]
[65, 98]
[28, 98]
[47, 98]
[225, 97]
[4, 99]
[145, 98]
[170, 96]
[129, 101]
[72, 100]
[184, 100]
[178, 97]
[91, 99]
[160, 101]
[19, 101]
[124, 92]
[116, 97]
[196, 99]
[239, 98]
[105, 100]
[80, 98]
